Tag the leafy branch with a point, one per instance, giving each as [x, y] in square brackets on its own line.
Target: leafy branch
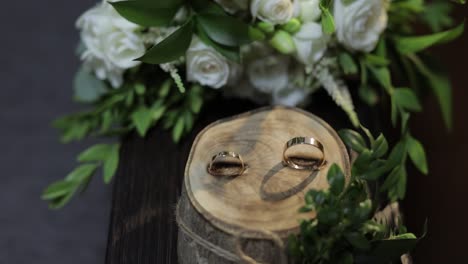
[344, 230]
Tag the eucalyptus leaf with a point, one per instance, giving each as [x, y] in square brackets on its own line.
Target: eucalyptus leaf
[178, 129]
[358, 240]
[171, 48]
[380, 146]
[406, 98]
[397, 155]
[58, 189]
[142, 119]
[408, 45]
[417, 154]
[336, 179]
[98, 152]
[81, 173]
[231, 53]
[353, 139]
[148, 13]
[441, 87]
[61, 201]
[386, 250]
[347, 63]
[382, 75]
[225, 30]
[111, 163]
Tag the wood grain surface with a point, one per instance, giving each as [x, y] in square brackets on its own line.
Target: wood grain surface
[267, 195]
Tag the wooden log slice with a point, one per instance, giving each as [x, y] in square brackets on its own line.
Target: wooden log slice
[264, 199]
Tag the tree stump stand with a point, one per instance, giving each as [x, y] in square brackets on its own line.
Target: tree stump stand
[260, 207]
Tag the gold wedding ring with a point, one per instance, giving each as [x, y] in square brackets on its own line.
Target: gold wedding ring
[294, 163]
[226, 163]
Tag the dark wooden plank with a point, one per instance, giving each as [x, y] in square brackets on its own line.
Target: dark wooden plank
[146, 188]
[148, 182]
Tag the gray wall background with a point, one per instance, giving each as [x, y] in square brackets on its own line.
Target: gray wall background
[37, 64]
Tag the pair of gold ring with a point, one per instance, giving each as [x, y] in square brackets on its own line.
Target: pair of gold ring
[231, 163]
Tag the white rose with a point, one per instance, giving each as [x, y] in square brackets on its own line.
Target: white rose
[308, 10]
[311, 43]
[360, 23]
[233, 6]
[112, 43]
[206, 66]
[102, 70]
[272, 11]
[269, 74]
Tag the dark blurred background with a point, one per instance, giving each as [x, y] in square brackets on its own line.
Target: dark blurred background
[37, 66]
[442, 196]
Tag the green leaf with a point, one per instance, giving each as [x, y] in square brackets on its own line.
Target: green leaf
[165, 88]
[376, 60]
[111, 163]
[171, 48]
[353, 139]
[87, 88]
[178, 129]
[225, 30]
[380, 146]
[58, 189]
[397, 155]
[417, 154]
[392, 179]
[61, 201]
[382, 75]
[231, 53]
[401, 185]
[148, 13]
[157, 111]
[408, 45]
[328, 216]
[196, 103]
[97, 152]
[336, 179]
[441, 87]
[387, 250]
[406, 98]
[328, 23]
[368, 134]
[368, 95]
[358, 240]
[438, 15]
[207, 7]
[142, 119]
[374, 171]
[347, 63]
[81, 173]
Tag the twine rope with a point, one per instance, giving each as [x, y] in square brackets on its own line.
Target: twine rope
[240, 255]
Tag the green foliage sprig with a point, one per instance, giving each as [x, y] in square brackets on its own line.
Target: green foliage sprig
[208, 21]
[343, 230]
[135, 107]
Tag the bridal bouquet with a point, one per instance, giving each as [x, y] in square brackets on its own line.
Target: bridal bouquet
[147, 62]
